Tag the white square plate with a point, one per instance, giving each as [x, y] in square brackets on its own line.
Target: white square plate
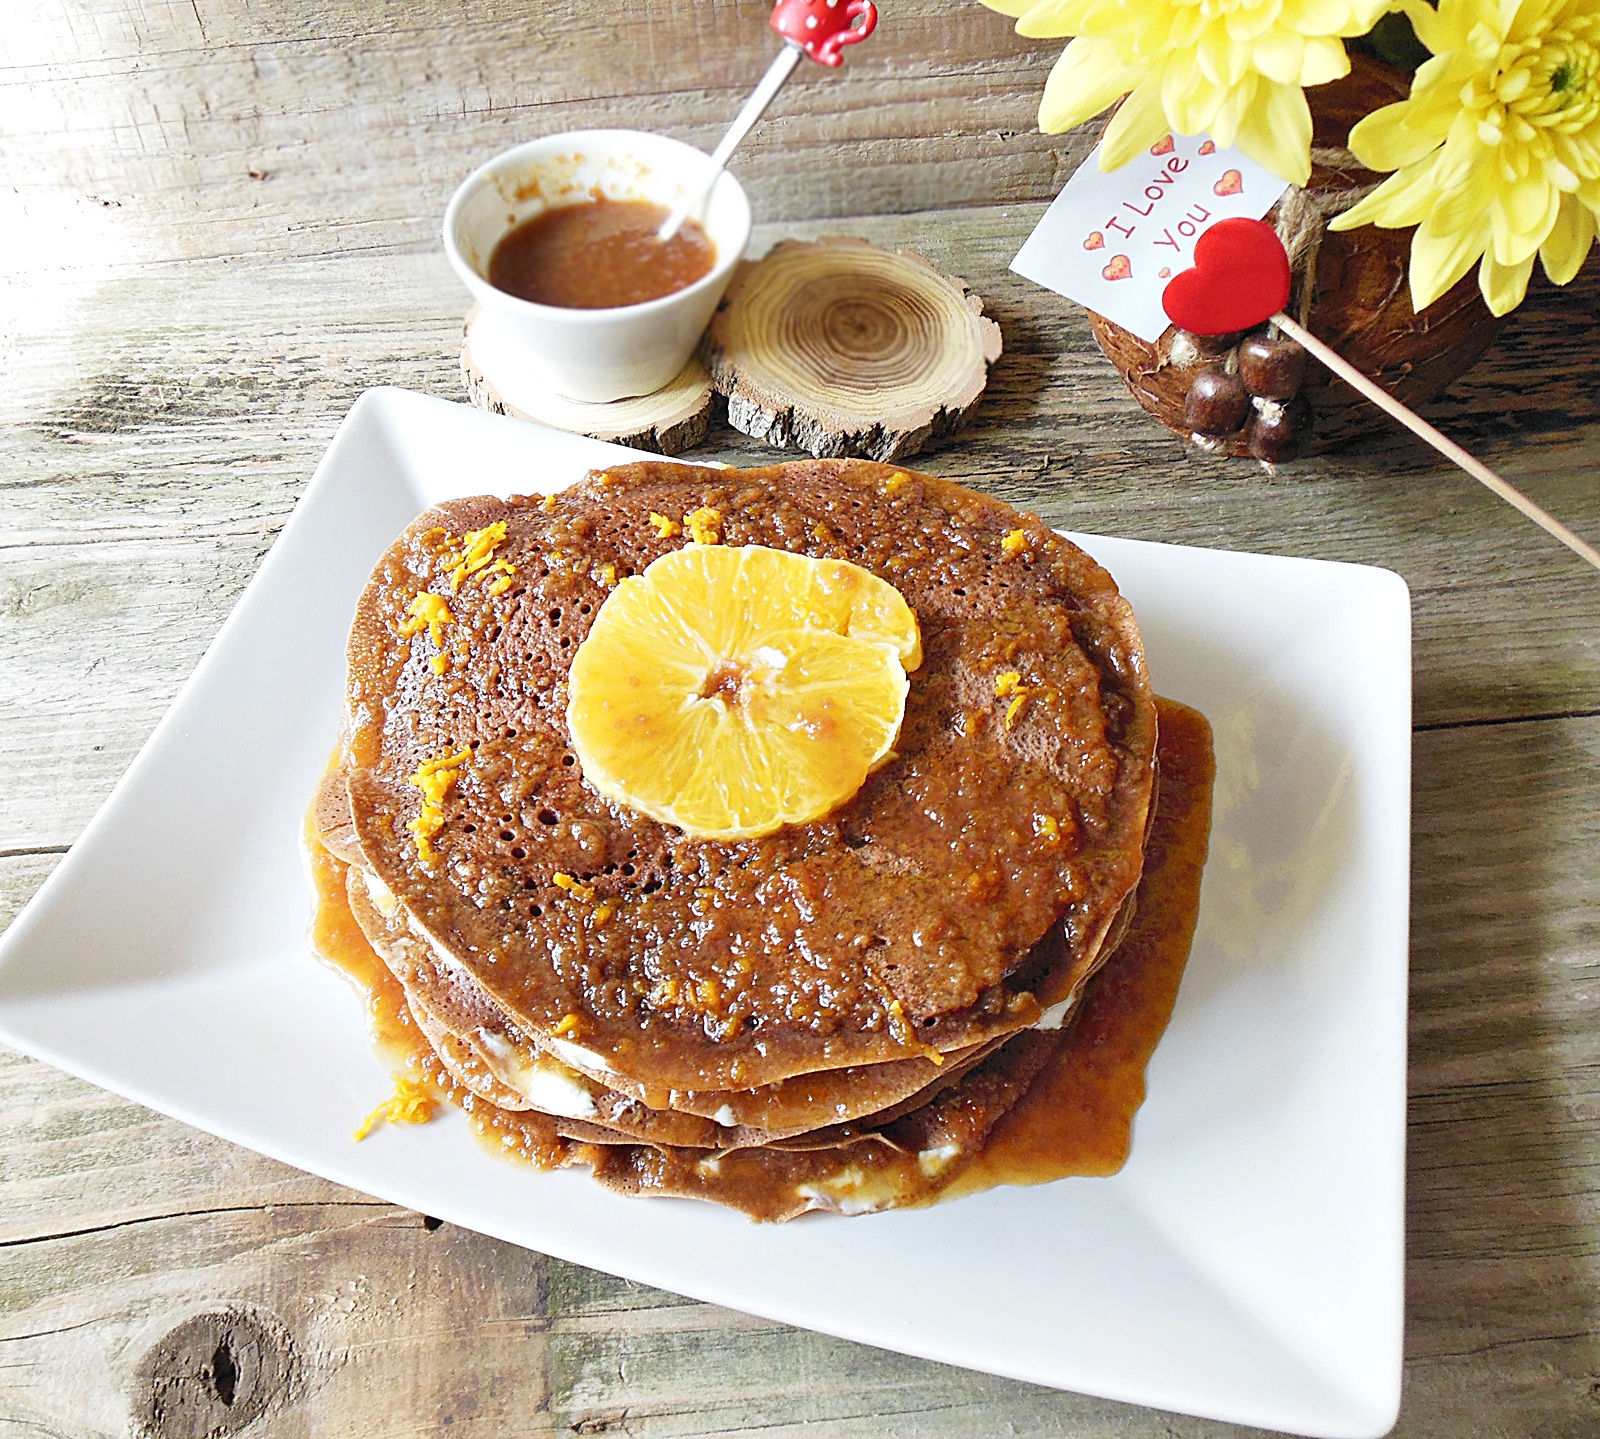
[1245, 1265]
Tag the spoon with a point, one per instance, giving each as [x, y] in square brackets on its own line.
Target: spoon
[813, 29]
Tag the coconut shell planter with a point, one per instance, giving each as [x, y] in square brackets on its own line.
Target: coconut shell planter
[1254, 394]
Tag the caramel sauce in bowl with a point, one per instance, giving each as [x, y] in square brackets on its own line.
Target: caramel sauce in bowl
[599, 254]
[591, 352]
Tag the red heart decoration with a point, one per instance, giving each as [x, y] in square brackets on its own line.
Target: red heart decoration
[1240, 278]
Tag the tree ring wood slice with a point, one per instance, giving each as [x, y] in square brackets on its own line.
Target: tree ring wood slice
[668, 421]
[839, 348]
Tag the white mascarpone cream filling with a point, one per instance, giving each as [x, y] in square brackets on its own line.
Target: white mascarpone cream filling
[852, 1191]
[380, 894]
[545, 1083]
[1055, 1016]
[579, 1057]
[443, 955]
[934, 1162]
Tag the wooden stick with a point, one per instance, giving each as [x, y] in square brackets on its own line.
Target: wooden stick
[1445, 446]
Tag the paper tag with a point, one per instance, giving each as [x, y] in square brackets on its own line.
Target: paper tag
[1112, 241]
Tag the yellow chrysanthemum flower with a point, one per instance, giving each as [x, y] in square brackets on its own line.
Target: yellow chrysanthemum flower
[1497, 150]
[1235, 69]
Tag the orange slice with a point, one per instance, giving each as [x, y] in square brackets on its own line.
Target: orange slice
[731, 691]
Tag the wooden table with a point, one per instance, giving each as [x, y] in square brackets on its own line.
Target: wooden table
[219, 225]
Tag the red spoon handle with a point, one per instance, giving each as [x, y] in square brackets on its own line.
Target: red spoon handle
[822, 28]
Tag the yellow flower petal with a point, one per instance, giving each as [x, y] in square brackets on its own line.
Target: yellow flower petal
[1187, 25]
[1364, 14]
[1520, 217]
[1403, 199]
[1081, 84]
[1047, 20]
[1533, 17]
[1276, 132]
[1250, 22]
[1190, 100]
[1278, 55]
[1230, 109]
[1139, 124]
[1560, 176]
[1316, 17]
[1219, 61]
[1567, 245]
[1439, 260]
[1503, 286]
[1386, 139]
[1325, 60]
[1438, 30]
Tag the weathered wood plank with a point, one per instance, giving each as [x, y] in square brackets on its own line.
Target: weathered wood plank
[110, 637]
[367, 1335]
[359, 121]
[158, 1222]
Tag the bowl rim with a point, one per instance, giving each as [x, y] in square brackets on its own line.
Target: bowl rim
[483, 291]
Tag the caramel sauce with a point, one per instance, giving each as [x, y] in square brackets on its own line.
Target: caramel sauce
[597, 255]
[1075, 1119]
[338, 941]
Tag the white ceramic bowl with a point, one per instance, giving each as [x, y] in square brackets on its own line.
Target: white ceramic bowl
[594, 355]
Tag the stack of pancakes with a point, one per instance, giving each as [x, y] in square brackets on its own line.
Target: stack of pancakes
[833, 1016]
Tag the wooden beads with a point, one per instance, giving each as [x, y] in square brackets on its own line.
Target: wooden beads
[1254, 387]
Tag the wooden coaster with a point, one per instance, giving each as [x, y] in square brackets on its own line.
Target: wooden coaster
[840, 348]
[673, 419]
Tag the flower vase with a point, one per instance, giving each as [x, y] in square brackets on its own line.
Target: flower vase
[1350, 289]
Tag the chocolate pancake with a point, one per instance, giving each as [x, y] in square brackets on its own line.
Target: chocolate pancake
[437, 985]
[899, 925]
[479, 1044]
[330, 817]
[905, 1162]
[491, 1058]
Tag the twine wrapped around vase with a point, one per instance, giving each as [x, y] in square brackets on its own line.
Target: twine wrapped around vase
[1303, 215]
